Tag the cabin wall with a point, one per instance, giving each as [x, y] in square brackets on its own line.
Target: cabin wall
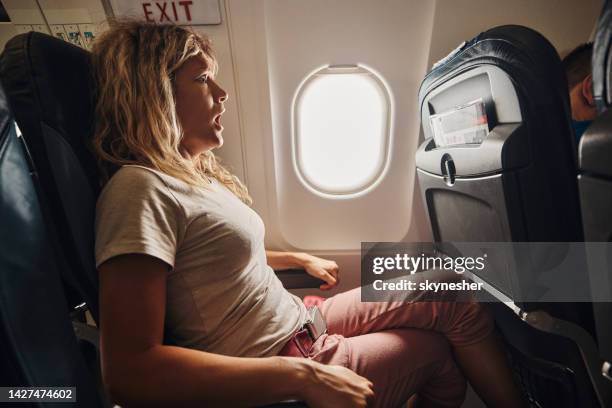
[276, 43]
[565, 23]
[285, 41]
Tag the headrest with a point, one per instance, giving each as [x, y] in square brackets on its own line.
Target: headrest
[526, 56]
[602, 60]
[48, 82]
[518, 76]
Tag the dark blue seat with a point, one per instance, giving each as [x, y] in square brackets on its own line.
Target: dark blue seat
[38, 346]
[53, 106]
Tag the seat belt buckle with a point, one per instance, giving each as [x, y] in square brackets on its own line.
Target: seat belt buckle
[303, 342]
[315, 323]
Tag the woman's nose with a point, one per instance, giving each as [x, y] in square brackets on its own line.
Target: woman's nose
[220, 94]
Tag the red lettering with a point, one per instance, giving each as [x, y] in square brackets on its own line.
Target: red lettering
[186, 5]
[147, 12]
[163, 12]
[174, 10]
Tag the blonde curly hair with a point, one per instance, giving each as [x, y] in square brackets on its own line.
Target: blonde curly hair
[136, 122]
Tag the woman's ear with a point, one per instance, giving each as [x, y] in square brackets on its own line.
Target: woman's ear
[587, 90]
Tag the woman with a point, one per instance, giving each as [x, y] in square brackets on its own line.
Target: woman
[191, 311]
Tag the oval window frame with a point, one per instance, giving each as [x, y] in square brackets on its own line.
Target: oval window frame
[380, 171]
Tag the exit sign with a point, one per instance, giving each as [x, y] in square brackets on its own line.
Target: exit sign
[182, 12]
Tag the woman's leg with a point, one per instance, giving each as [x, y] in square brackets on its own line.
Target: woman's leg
[466, 325]
[484, 361]
[399, 363]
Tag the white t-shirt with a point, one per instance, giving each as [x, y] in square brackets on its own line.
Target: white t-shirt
[222, 297]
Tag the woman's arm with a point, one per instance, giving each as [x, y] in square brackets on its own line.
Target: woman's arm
[323, 269]
[286, 260]
[138, 370]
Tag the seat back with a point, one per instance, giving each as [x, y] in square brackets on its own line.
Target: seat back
[38, 346]
[498, 164]
[595, 179]
[48, 87]
[516, 183]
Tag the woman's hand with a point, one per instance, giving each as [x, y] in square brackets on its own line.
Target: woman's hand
[333, 386]
[323, 269]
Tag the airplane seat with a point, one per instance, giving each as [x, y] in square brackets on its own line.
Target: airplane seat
[498, 164]
[49, 88]
[38, 346]
[595, 185]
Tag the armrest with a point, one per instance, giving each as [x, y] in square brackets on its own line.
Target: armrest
[297, 279]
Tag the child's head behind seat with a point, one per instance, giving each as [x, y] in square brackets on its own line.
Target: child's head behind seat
[577, 65]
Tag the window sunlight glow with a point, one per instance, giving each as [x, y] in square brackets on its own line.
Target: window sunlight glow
[341, 130]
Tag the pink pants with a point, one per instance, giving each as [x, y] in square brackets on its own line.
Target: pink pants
[403, 347]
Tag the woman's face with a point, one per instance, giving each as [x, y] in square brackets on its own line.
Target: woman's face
[199, 106]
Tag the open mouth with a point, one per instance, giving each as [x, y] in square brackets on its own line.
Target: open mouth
[217, 120]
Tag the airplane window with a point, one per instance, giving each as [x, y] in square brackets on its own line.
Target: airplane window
[341, 129]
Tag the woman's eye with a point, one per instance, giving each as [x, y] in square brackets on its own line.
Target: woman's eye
[203, 79]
